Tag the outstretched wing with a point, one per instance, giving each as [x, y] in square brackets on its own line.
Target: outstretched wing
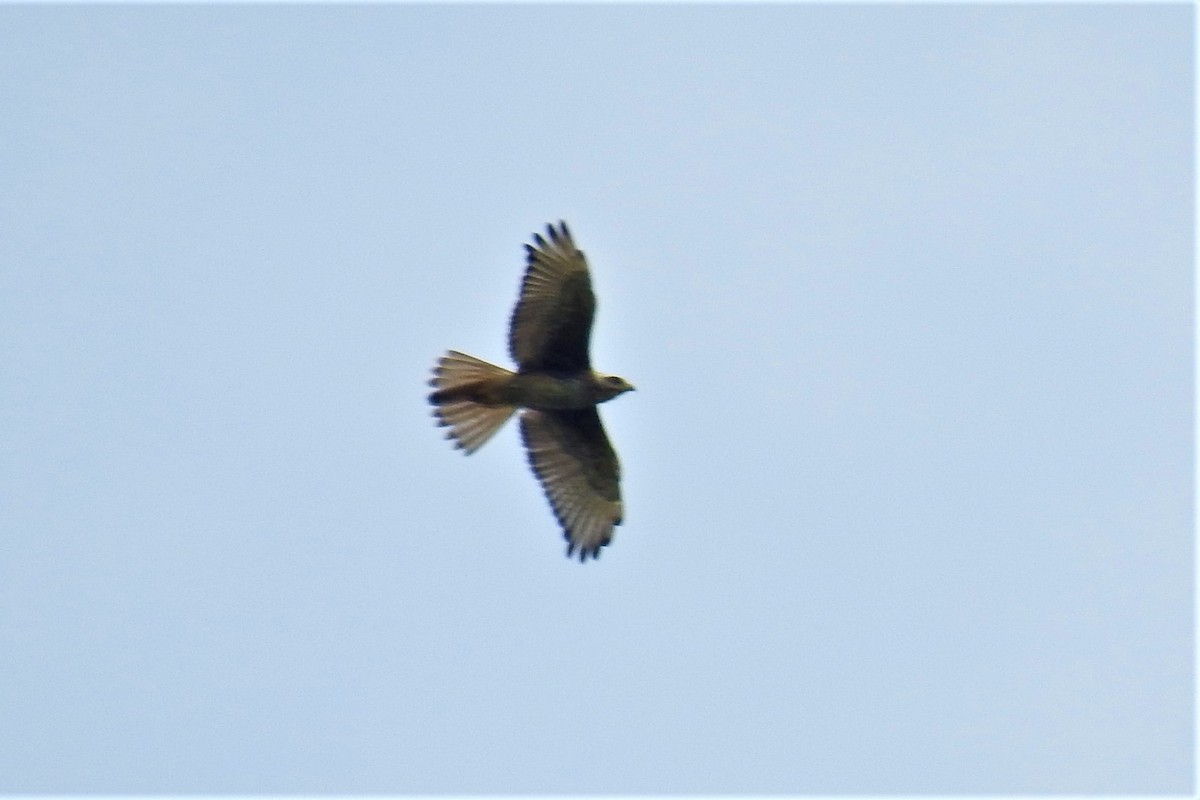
[552, 322]
[579, 472]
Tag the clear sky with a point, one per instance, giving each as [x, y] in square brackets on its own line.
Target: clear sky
[907, 295]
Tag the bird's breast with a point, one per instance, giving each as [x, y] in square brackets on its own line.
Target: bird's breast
[550, 392]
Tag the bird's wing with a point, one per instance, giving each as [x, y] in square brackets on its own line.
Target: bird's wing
[579, 472]
[552, 322]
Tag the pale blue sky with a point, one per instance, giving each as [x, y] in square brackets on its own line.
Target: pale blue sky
[907, 295]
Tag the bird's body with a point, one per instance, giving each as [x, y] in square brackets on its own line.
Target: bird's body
[537, 390]
[556, 389]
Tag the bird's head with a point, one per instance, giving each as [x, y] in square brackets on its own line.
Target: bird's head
[609, 386]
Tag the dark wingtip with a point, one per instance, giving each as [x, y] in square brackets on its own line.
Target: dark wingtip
[584, 552]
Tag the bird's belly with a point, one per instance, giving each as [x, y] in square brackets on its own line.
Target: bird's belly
[549, 393]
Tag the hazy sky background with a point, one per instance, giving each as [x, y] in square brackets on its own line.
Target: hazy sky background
[907, 296]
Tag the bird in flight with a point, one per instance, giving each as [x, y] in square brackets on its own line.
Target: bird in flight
[554, 387]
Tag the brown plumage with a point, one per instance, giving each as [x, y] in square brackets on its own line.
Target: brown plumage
[555, 388]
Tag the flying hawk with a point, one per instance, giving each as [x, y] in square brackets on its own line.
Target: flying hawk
[554, 386]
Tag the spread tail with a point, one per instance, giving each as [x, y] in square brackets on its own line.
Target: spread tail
[465, 399]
